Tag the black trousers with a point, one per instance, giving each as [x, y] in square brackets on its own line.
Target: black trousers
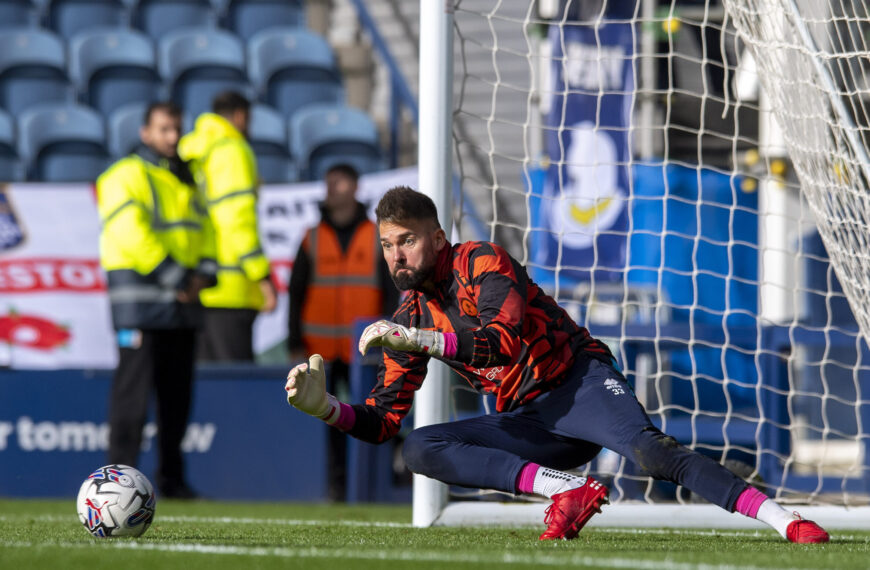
[163, 364]
[563, 429]
[227, 335]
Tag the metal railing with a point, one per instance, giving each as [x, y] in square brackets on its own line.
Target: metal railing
[400, 93]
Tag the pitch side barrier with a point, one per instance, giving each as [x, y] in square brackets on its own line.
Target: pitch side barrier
[243, 441]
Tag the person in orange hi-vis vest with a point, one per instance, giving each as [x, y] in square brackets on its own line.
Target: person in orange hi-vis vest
[339, 276]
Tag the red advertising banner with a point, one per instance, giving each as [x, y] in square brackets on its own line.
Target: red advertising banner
[54, 312]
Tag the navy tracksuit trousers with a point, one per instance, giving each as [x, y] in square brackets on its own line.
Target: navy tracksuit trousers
[563, 429]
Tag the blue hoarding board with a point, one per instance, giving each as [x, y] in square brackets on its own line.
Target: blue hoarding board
[243, 442]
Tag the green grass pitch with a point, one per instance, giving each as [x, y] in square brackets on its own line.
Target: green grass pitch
[216, 535]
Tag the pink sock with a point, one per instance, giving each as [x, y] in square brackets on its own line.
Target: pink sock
[749, 501]
[526, 478]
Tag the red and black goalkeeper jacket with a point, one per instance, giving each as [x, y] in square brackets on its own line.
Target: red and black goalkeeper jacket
[514, 341]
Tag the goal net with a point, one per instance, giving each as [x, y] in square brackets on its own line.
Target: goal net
[690, 180]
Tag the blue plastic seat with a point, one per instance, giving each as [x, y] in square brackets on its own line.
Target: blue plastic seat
[159, 17]
[247, 17]
[16, 13]
[267, 134]
[69, 17]
[188, 121]
[323, 135]
[10, 166]
[291, 68]
[62, 143]
[112, 67]
[123, 129]
[197, 64]
[32, 69]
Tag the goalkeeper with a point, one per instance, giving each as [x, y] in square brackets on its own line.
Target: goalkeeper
[559, 396]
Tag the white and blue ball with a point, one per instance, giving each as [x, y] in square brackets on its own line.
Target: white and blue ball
[116, 500]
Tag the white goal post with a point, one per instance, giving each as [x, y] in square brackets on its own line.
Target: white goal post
[690, 180]
[436, 174]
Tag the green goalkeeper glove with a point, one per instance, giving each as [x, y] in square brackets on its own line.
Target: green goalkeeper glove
[306, 389]
[395, 336]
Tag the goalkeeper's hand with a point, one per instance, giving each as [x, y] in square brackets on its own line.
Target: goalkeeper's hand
[306, 388]
[398, 337]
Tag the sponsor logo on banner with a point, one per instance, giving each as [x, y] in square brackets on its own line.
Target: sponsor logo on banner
[591, 199]
[580, 209]
[47, 436]
[37, 275]
[11, 233]
[32, 331]
[53, 307]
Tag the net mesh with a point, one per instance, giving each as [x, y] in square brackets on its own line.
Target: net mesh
[689, 180]
[811, 62]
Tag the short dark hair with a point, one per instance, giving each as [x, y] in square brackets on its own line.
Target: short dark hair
[167, 107]
[401, 204]
[344, 170]
[227, 102]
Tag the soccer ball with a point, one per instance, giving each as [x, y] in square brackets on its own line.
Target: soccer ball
[116, 500]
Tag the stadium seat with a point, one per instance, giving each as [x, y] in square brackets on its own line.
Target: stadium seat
[68, 17]
[123, 129]
[291, 68]
[247, 17]
[197, 64]
[267, 134]
[112, 67]
[62, 143]
[159, 17]
[323, 135]
[188, 121]
[16, 13]
[32, 69]
[10, 166]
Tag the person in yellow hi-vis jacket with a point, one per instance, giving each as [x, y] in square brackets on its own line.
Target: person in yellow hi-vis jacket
[226, 169]
[158, 251]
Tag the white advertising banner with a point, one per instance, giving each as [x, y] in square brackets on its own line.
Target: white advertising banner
[54, 312]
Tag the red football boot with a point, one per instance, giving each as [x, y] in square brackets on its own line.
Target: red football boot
[804, 532]
[573, 509]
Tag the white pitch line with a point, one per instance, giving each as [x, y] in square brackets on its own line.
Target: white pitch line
[387, 524]
[288, 522]
[225, 520]
[354, 523]
[537, 559]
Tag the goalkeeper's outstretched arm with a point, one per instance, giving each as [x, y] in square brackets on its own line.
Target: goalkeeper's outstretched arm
[376, 420]
[306, 391]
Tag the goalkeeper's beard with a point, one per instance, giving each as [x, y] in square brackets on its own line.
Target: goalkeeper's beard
[410, 279]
